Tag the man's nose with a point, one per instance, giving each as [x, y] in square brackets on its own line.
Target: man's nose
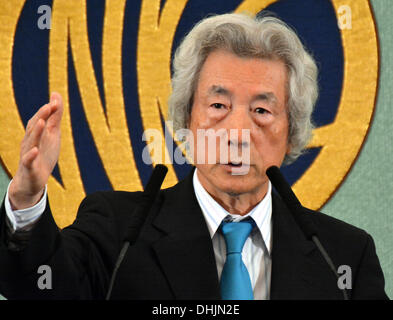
[239, 125]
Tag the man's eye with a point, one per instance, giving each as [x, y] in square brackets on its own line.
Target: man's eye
[260, 110]
[218, 105]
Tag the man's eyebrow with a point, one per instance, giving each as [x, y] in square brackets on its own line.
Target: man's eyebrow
[266, 96]
[217, 89]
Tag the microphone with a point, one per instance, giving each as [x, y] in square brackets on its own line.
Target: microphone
[149, 194]
[139, 216]
[300, 215]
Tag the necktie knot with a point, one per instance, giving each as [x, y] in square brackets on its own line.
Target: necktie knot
[236, 234]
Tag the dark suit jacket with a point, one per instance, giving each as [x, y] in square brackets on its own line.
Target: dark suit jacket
[173, 257]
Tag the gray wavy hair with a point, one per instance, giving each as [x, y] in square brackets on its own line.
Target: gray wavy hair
[264, 37]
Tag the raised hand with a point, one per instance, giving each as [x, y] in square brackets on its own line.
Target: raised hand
[39, 153]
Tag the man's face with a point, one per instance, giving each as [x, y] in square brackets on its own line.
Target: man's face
[241, 93]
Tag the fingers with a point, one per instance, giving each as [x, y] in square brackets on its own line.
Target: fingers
[39, 149]
[56, 96]
[34, 137]
[56, 103]
[28, 157]
[43, 113]
[48, 116]
[51, 111]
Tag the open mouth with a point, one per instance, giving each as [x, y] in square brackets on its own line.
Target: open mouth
[236, 165]
[237, 168]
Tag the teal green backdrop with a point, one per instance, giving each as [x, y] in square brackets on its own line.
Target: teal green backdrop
[365, 198]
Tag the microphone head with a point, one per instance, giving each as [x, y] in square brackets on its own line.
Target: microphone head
[282, 186]
[156, 178]
[290, 199]
[273, 172]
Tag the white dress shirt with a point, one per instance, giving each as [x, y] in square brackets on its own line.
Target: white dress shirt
[24, 219]
[256, 252]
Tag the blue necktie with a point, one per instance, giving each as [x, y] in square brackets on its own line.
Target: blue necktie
[235, 280]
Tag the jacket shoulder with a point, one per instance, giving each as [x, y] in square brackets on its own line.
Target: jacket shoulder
[337, 228]
[114, 199]
[346, 243]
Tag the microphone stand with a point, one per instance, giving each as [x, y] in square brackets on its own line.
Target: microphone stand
[301, 218]
[139, 217]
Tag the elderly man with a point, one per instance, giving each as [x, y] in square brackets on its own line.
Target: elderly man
[220, 233]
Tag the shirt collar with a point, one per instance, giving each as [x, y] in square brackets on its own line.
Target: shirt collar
[214, 213]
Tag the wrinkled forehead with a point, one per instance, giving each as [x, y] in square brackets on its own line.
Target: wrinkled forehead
[225, 74]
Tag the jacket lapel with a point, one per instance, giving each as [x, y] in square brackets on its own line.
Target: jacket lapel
[298, 269]
[185, 253]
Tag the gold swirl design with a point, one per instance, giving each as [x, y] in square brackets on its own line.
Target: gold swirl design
[109, 130]
[340, 141]
[12, 129]
[155, 37]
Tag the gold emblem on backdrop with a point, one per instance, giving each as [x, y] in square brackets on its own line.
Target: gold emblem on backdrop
[340, 141]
